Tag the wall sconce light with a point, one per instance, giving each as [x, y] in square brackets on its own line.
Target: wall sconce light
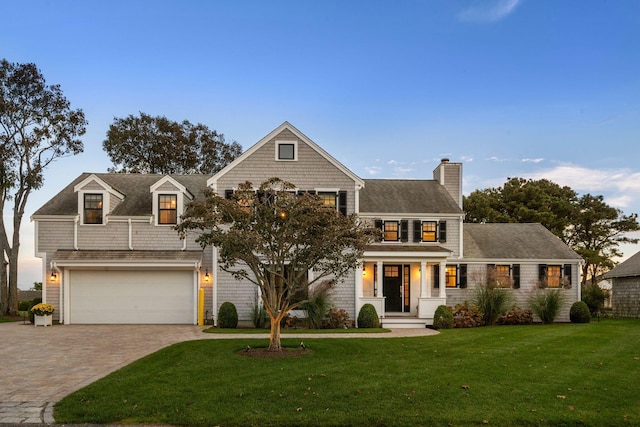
[206, 275]
[364, 271]
[53, 276]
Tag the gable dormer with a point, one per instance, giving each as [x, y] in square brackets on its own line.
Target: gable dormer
[96, 199]
[169, 198]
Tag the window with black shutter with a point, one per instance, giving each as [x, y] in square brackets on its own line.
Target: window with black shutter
[342, 202]
[463, 276]
[404, 230]
[417, 230]
[515, 271]
[442, 231]
[436, 275]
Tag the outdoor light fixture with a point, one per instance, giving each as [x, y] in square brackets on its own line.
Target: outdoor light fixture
[206, 275]
[364, 271]
[54, 276]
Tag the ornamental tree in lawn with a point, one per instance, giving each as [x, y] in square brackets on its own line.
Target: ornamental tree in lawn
[272, 237]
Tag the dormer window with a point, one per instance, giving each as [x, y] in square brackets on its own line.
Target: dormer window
[167, 209]
[287, 150]
[92, 208]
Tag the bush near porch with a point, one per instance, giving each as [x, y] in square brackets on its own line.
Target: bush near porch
[560, 374]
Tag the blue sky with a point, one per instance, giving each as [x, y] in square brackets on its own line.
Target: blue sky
[511, 88]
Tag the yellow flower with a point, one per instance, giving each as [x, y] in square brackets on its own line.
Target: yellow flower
[42, 309]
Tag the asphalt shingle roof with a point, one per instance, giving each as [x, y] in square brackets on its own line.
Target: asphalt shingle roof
[406, 196]
[630, 267]
[135, 187]
[514, 241]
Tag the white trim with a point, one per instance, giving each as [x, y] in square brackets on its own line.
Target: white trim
[327, 190]
[280, 142]
[214, 284]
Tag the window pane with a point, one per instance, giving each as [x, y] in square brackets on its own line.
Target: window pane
[429, 231]
[554, 276]
[167, 209]
[286, 151]
[328, 199]
[503, 276]
[450, 277]
[391, 230]
[93, 208]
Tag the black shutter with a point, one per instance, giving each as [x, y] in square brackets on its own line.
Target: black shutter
[228, 194]
[567, 274]
[404, 230]
[462, 270]
[515, 273]
[443, 231]
[542, 272]
[436, 276]
[342, 202]
[378, 225]
[417, 230]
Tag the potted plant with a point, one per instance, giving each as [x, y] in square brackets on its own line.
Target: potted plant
[43, 314]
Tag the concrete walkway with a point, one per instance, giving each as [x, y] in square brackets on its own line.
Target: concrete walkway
[41, 365]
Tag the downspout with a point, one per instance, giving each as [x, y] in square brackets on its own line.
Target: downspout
[75, 232]
[130, 235]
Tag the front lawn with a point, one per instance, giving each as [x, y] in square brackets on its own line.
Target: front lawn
[569, 374]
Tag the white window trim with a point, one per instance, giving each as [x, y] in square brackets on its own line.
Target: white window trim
[156, 207]
[287, 142]
[105, 206]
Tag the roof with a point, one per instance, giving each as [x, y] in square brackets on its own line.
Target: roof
[630, 267]
[405, 248]
[406, 196]
[514, 241]
[68, 256]
[135, 187]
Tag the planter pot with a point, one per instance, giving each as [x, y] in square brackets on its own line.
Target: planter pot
[46, 320]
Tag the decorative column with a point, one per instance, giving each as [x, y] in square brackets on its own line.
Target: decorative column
[379, 278]
[425, 292]
[443, 280]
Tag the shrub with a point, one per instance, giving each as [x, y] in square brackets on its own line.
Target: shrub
[317, 307]
[259, 315]
[25, 305]
[443, 318]
[467, 316]
[579, 312]
[516, 316]
[593, 296]
[228, 316]
[368, 317]
[546, 304]
[336, 319]
[492, 302]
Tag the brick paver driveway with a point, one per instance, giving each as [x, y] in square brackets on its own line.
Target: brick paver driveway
[41, 365]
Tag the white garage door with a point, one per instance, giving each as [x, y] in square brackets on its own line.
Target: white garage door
[144, 297]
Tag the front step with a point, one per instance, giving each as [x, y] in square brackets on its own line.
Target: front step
[404, 322]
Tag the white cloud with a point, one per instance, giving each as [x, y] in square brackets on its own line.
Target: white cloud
[495, 159]
[373, 170]
[538, 160]
[488, 11]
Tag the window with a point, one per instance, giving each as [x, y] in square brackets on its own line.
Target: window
[455, 275]
[167, 209]
[328, 199]
[93, 208]
[504, 275]
[286, 150]
[555, 276]
[429, 231]
[391, 231]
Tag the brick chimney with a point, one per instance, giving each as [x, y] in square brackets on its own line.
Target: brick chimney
[449, 175]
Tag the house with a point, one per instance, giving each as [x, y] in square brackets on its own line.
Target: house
[625, 288]
[110, 253]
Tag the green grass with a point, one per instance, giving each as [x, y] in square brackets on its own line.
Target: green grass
[253, 331]
[561, 374]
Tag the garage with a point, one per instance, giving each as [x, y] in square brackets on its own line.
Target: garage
[148, 296]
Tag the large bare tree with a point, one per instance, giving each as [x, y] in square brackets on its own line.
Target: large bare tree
[37, 126]
[272, 237]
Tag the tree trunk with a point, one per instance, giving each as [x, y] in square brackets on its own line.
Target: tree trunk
[4, 289]
[12, 297]
[274, 337]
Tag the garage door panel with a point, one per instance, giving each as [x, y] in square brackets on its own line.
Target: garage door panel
[163, 297]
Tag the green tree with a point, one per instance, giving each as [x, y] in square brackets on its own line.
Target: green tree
[37, 126]
[521, 200]
[596, 232]
[592, 228]
[146, 144]
[273, 237]
[37, 286]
